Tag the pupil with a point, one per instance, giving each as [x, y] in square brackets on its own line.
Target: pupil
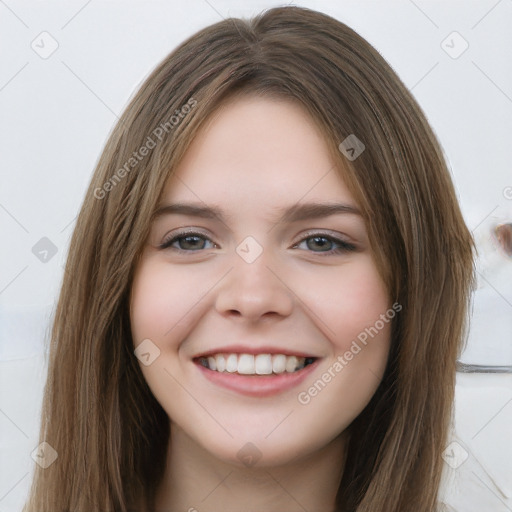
[320, 241]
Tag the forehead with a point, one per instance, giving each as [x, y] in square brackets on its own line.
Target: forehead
[258, 150]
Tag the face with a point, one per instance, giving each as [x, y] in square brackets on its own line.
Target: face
[262, 318]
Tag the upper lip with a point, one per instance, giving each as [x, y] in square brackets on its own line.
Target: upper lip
[242, 349]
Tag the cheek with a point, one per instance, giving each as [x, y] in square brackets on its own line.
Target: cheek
[151, 307]
[349, 302]
[360, 341]
[163, 302]
[359, 315]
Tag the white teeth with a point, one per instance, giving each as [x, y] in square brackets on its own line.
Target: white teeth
[246, 364]
[263, 364]
[220, 362]
[278, 363]
[291, 364]
[232, 363]
[249, 364]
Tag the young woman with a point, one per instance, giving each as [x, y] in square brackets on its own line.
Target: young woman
[266, 290]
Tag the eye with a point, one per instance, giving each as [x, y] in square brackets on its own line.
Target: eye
[192, 241]
[188, 241]
[325, 244]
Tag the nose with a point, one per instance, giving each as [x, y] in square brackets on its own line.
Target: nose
[254, 290]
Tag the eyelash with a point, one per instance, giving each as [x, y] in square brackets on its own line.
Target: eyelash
[343, 246]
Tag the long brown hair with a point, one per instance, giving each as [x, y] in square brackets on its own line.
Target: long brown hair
[98, 413]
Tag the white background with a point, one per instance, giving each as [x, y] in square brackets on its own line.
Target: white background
[55, 115]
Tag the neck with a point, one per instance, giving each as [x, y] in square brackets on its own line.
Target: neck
[196, 481]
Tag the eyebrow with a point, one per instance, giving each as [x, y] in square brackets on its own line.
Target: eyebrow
[293, 213]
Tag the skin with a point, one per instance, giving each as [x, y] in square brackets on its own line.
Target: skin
[254, 157]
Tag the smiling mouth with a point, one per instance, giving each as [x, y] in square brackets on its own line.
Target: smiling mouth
[250, 364]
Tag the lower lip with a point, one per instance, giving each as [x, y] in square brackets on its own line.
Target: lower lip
[258, 385]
